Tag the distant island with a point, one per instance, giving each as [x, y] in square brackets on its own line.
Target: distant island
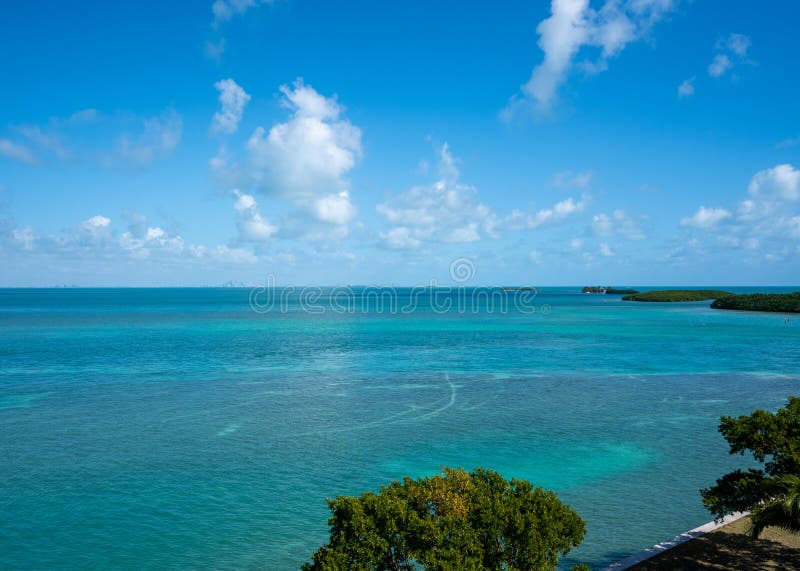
[678, 295]
[774, 302]
[777, 302]
[607, 290]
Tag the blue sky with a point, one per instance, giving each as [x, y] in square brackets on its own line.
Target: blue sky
[572, 142]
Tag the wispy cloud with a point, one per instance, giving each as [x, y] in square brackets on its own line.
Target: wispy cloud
[731, 50]
[158, 138]
[232, 99]
[686, 88]
[573, 25]
[223, 11]
[706, 217]
[572, 180]
[18, 152]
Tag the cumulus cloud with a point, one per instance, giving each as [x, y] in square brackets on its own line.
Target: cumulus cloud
[96, 227]
[306, 159]
[94, 247]
[153, 239]
[160, 136]
[765, 224]
[780, 182]
[445, 211]
[253, 227]
[686, 88]
[233, 100]
[605, 250]
[706, 217]
[17, 152]
[574, 24]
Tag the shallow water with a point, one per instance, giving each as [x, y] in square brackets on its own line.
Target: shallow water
[174, 429]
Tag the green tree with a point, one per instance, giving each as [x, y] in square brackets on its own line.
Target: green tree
[772, 492]
[456, 521]
[782, 509]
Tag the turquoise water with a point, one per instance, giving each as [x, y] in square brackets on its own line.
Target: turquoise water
[178, 428]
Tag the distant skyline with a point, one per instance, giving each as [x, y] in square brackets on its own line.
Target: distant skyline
[614, 142]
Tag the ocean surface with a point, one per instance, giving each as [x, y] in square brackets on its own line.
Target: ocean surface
[204, 428]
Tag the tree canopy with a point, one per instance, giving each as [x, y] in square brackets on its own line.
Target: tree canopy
[456, 521]
[773, 439]
[678, 295]
[778, 302]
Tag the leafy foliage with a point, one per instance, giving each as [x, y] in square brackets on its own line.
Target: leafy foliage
[772, 492]
[678, 295]
[454, 521]
[779, 302]
[782, 509]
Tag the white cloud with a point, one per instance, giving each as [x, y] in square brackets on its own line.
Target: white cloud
[47, 141]
[766, 225]
[233, 100]
[445, 211]
[94, 240]
[780, 182]
[335, 208]
[605, 250]
[731, 50]
[17, 152]
[234, 255]
[736, 43]
[789, 142]
[307, 158]
[154, 239]
[572, 25]
[90, 136]
[159, 137]
[569, 179]
[686, 88]
[400, 238]
[25, 237]
[519, 220]
[214, 50]
[96, 227]
[219, 161]
[719, 65]
[253, 227]
[224, 10]
[618, 224]
[96, 222]
[535, 257]
[706, 217]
